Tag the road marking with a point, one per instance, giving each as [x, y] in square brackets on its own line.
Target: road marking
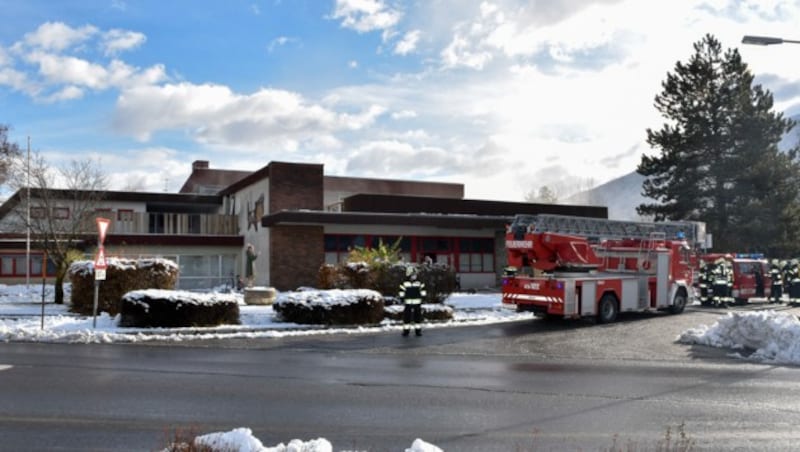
[5, 366]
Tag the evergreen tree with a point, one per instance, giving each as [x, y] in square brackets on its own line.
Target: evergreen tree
[719, 160]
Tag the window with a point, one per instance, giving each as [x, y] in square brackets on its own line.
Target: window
[125, 215]
[476, 255]
[155, 224]
[337, 247]
[14, 265]
[193, 223]
[61, 213]
[38, 213]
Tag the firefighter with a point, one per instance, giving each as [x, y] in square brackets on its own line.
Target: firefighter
[720, 283]
[702, 282]
[786, 270]
[793, 281]
[777, 281]
[412, 291]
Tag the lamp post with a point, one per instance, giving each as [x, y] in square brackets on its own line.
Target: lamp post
[766, 40]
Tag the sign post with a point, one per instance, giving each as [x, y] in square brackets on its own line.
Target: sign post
[100, 264]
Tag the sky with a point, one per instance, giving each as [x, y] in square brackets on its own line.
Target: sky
[504, 96]
[764, 336]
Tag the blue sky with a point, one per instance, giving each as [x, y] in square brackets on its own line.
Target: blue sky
[504, 96]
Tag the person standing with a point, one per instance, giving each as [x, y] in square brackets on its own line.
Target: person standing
[249, 269]
[412, 291]
[776, 289]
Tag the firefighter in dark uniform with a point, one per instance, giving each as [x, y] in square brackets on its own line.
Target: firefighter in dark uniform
[777, 281]
[412, 291]
[703, 283]
[720, 283]
[793, 281]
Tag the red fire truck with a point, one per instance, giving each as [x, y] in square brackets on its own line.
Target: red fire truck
[575, 267]
[751, 277]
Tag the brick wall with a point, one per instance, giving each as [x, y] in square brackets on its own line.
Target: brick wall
[295, 186]
[296, 253]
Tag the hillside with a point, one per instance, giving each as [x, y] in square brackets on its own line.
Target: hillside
[623, 194]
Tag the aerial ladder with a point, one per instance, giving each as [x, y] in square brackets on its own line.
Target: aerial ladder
[576, 266]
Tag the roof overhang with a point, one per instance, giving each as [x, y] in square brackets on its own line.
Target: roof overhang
[317, 218]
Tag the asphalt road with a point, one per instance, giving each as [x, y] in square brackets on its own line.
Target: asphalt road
[522, 386]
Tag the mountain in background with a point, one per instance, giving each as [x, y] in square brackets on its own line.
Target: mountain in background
[623, 194]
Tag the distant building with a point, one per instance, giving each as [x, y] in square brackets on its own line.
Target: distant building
[297, 218]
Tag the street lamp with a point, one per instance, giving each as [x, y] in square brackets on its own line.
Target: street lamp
[766, 40]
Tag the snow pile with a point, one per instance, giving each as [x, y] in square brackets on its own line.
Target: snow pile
[242, 440]
[771, 336]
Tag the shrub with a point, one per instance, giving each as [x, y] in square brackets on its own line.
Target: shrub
[330, 307]
[122, 276]
[177, 308]
[430, 312]
[385, 278]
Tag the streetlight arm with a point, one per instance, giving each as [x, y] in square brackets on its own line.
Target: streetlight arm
[762, 40]
[766, 40]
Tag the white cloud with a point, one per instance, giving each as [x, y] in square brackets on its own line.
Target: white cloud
[217, 116]
[408, 44]
[366, 15]
[67, 93]
[57, 36]
[278, 42]
[60, 69]
[115, 41]
[404, 114]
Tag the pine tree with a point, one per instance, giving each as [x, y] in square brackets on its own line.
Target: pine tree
[719, 160]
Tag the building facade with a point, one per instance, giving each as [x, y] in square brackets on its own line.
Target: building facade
[296, 217]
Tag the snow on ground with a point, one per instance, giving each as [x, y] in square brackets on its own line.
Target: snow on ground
[21, 320]
[761, 336]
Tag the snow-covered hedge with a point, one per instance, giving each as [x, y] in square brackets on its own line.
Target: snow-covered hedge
[330, 307]
[440, 280]
[430, 312]
[177, 308]
[122, 276]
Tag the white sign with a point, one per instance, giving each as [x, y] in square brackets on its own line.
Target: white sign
[519, 244]
[99, 274]
[100, 261]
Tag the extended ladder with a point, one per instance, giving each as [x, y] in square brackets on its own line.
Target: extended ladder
[601, 228]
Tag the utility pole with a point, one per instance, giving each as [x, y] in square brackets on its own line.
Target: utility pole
[28, 221]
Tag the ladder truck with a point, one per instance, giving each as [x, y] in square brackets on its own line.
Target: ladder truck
[573, 267]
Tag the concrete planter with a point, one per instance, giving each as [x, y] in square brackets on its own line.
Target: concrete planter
[260, 295]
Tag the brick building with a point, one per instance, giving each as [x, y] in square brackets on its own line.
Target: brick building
[297, 218]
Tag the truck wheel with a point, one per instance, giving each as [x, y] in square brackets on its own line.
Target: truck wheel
[678, 304]
[607, 309]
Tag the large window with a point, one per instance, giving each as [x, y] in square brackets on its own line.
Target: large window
[337, 247]
[467, 255]
[206, 271]
[14, 265]
[476, 255]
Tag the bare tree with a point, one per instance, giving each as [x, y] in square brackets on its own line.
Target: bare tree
[8, 152]
[545, 195]
[63, 203]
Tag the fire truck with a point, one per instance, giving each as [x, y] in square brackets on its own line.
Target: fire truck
[573, 267]
[751, 278]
